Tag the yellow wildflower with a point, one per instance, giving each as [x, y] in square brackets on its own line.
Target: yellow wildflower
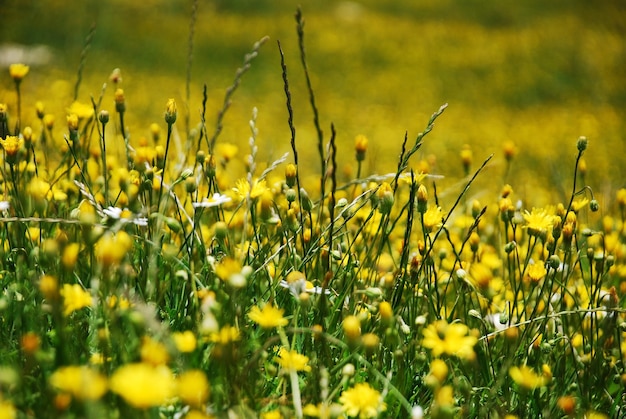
[143, 385]
[81, 382]
[444, 396]
[268, 317]
[538, 222]
[225, 335]
[11, 145]
[451, 339]
[352, 328]
[433, 218]
[70, 255]
[292, 361]
[537, 271]
[227, 151]
[49, 287]
[439, 370]
[112, 248]
[153, 352]
[18, 71]
[244, 189]
[72, 122]
[185, 341]
[7, 410]
[272, 414]
[170, 111]
[193, 387]
[362, 401]
[360, 146]
[525, 377]
[81, 110]
[74, 298]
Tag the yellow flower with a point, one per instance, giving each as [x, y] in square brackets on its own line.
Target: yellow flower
[451, 339]
[352, 328]
[433, 218]
[268, 317]
[74, 298]
[81, 382]
[11, 145]
[170, 111]
[81, 110]
[49, 287]
[272, 414]
[525, 377]
[143, 385]
[538, 222]
[362, 401]
[193, 387]
[7, 410]
[537, 271]
[18, 71]
[293, 361]
[185, 341]
[579, 204]
[70, 255]
[153, 352]
[112, 248]
[72, 122]
[445, 396]
[244, 189]
[225, 335]
[439, 369]
[360, 146]
[227, 150]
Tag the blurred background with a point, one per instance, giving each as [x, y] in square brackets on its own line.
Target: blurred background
[534, 74]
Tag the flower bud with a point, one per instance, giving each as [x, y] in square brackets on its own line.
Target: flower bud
[360, 146]
[170, 111]
[581, 144]
[291, 172]
[422, 199]
[103, 117]
[352, 329]
[120, 101]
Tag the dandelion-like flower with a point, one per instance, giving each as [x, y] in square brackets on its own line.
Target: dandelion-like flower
[11, 145]
[268, 317]
[170, 111]
[291, 361]
[185, 341]
[193, 387]
[525, 377]
[433, 218]
[538, 222]
[244, 189]
[451, 339]
[226, 335]
[81, 382]
[74, 298]
[143, 385]
[536, 271]
[81, 110]
[362, 401]
[18, 71]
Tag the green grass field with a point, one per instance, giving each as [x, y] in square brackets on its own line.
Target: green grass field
[410, 209]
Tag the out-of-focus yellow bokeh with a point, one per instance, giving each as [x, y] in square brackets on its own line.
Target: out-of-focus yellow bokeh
[532, 73]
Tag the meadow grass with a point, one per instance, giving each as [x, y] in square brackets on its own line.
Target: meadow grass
[168, 276]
